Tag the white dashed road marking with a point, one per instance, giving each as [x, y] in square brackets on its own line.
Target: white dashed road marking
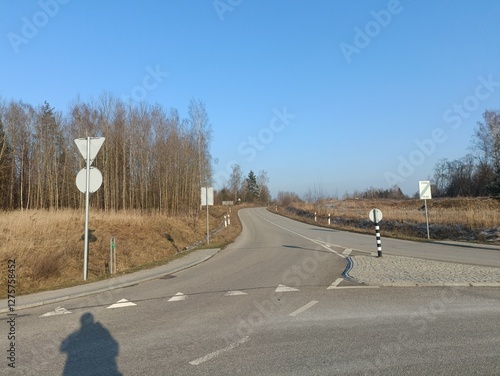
[219, 352]
[304, 308]
[335, 284]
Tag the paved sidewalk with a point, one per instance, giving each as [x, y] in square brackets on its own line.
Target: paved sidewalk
[47, 297]
[405, 271]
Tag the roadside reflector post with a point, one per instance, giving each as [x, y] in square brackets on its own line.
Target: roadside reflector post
[376, 216]
[328, 219]
[228, 219]
[225, 221]
[314, 216]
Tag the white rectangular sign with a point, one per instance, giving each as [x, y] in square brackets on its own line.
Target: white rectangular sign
[424, 189]
[207, 196]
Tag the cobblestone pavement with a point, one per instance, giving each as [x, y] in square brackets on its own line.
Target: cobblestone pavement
[405, 271]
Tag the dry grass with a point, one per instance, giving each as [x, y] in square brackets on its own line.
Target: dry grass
[474, 213]
[406, 217]
[48, 246]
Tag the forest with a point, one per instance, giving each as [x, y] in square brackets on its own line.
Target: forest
[151, 160]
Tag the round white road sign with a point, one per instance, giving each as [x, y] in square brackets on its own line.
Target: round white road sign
[95, 179]
[375, 215]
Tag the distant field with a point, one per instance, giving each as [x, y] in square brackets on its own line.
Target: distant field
[464, 219]
[48, 245]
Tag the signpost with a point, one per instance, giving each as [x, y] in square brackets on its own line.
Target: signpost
[375, 216]
[207, 198]
[424, 189]
[88, 147]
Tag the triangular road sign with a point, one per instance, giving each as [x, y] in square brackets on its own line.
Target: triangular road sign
[95, 146]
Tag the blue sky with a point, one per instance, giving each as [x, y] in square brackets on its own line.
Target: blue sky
[338, 95]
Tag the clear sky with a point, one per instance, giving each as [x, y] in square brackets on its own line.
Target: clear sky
[340, 95]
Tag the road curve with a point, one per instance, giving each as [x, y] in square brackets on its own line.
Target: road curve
[466, 253]
[272, 303]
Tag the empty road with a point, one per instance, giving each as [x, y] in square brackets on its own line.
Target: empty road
[272, 303]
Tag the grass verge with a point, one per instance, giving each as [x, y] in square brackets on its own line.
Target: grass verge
[48, 245]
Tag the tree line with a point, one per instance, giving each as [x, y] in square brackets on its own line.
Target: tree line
[252, 189]
[477, 173]
[151, 159]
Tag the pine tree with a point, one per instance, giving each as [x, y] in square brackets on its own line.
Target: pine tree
[252, 188]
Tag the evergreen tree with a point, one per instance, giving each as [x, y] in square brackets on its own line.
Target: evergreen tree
[252, 188]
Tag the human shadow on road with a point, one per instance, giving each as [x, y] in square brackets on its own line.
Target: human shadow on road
[91, 350]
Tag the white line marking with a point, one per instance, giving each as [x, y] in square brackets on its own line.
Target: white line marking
[357, 287]
[177, 297]
[57, 311]
[283, 288]
[122, 303]
[318, 242]
[300, 310]
[347, 251]
[335, 284]
[218, 352]
[235, 293]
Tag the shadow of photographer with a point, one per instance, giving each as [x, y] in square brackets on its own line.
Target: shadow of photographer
[91, 350]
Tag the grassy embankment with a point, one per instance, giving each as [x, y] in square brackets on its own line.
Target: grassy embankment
[461, 219]
[48, 246]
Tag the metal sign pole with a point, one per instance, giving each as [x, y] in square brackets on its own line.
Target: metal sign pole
[427, 220]
[87, 201]
[208, 227]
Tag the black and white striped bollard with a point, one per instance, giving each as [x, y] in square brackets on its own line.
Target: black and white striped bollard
[375, 216]
[379, 242]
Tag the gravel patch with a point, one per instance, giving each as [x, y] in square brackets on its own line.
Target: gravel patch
[406, 271]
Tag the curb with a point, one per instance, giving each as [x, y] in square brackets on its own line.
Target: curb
[113, 287]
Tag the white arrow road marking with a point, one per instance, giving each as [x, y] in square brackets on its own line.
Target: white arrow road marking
[122, 303]
[219, 352]
[57, 311]
[177, 297]
[306, 307]
[335, 284]
[283, 288]
[235, 293]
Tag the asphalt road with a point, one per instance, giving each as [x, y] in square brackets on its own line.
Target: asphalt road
[272, 303]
